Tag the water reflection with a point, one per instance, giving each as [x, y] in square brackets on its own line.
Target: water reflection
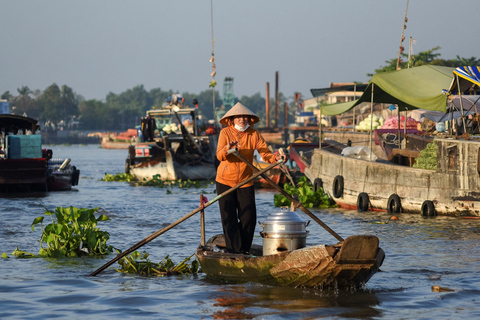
[251, 301]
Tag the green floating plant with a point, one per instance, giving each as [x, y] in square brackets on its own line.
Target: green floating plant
[307, 197]
[138, 263]
[122, 176]
[72, 233]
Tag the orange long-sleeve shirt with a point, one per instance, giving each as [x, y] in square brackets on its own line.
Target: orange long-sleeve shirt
[231, 170]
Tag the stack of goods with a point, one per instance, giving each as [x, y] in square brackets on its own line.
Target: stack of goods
[369, 122]
[427, 158]
[170, 128]
[392, 123]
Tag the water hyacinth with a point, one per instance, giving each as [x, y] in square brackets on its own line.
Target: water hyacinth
[307, 197]
[72, 233]
[139, 263]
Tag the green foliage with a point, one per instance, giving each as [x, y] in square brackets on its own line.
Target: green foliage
[307, 197]
[122, 176]
[138, 263]
[157, 182]
[428, 57]
[21, 254]
[72, 233]
[427, 158]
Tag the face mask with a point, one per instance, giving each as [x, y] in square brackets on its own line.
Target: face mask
[242, 128]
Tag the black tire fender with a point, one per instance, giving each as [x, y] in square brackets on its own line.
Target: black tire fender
[338, 187]
[394, 205]
[317, 184]
[428, 209]
[363, 202]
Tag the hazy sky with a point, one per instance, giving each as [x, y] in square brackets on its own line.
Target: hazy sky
[101, 46]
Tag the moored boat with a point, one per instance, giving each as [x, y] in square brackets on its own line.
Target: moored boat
[24, 165]
[451, 186]
[173, 148]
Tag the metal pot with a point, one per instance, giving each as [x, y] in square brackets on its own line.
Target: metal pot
[283, 231]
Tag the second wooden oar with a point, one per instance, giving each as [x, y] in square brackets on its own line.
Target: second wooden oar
[159, 232]
[289, 197]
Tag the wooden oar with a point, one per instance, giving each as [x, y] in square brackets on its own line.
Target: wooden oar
[289, 197]
[159, 232]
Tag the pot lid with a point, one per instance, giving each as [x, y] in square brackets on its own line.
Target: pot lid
[283, 217]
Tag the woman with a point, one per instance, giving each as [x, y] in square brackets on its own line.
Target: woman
[237, 209]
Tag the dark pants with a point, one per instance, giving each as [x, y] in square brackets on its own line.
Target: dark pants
[239, 215]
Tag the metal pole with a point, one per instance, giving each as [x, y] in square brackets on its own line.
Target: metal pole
[285, 128]
[276, 100]
[319, 124]
[371, 123]
[354, 98]
[267, 106]
[461, 104]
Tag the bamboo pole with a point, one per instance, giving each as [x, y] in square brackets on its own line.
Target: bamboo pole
[202, 220]
[174, 224]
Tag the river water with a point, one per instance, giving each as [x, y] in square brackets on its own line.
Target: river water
[420, 253]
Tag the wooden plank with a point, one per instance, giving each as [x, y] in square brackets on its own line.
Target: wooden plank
[358, 248]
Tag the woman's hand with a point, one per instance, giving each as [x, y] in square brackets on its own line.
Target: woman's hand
[283, 157]
[233, 144]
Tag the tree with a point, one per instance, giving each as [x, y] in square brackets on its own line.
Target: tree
[23, 104]
[68, 103]
[6, 96]
[51, 104]
[93, 115]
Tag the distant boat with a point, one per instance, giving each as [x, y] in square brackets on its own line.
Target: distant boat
[173, 146]
[24, 165]
[121, 140]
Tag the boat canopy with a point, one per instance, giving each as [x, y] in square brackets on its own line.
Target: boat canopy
[468, 78]
[413, 88]
[14, 123]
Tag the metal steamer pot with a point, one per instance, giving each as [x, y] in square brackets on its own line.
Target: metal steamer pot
[283, 231]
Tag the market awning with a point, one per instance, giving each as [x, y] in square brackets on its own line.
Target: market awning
[468, 78]
[413, 88]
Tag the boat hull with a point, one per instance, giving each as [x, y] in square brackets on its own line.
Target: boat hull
[312, 267]
[18, 175]
[453, 189]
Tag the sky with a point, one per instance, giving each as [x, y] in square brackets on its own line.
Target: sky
[100, 46]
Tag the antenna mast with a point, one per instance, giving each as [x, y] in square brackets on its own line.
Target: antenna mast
[213, 83]
[399, 60]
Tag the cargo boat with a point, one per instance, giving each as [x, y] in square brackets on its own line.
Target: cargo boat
[24, 165]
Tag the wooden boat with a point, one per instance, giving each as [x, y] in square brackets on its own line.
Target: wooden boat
[24, 165]
[168, 155]
[347, 264]
[121, 140]
[61, 176]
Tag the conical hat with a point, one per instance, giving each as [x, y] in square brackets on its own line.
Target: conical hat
[239, 110]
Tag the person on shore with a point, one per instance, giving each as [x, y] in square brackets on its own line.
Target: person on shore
[237, 209]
